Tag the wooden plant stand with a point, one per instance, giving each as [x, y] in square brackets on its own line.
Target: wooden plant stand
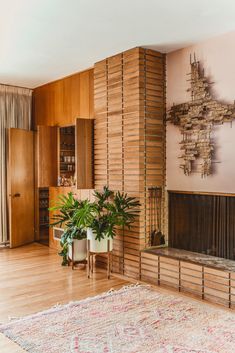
[73, 262]
[90, 259]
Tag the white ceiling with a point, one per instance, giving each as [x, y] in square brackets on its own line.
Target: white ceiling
[43, 40]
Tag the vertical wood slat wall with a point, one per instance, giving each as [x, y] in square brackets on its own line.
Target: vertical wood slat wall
[129, 106]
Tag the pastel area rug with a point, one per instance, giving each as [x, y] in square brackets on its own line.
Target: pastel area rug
[134, 319]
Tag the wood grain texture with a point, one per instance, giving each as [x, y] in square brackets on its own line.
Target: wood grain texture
[84, 153]
[29, 285]
[213, 285]
[63, 101]
[21, 186]
[46, 156]
[129, 102]
[31, 275]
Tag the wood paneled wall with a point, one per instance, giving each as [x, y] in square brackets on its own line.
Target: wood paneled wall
[129, 107]
[61, 102]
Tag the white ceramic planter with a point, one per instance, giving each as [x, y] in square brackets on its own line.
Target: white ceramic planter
[99, 246]
[80, 250]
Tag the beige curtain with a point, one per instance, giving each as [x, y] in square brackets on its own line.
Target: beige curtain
[15, 111]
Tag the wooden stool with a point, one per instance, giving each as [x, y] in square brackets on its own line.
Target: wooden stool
[90, 260]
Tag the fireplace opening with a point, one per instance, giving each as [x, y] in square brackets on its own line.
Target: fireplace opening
[202, 223]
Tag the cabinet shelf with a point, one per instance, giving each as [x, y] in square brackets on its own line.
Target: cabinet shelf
[67, 152]
[43, 224]
[77, 146]
[63, 150]
[43, 214]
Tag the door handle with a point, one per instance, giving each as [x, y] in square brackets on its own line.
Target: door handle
[16, 195]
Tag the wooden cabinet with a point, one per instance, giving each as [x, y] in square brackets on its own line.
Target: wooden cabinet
[65, 153]
[71, 98]
[58, 105]
[43, 216]
[67, 160]
[46, 156]
[84, 153]
[61, 102]
[76, 154]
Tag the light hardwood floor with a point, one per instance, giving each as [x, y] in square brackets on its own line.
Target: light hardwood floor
[31, 280]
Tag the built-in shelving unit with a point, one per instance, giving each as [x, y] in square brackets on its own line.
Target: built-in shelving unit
[65, 155]
[43, 200]
[67, 160]
[57, 106]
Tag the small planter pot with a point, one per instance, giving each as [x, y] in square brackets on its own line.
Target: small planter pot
[79, 251]
[99, 246]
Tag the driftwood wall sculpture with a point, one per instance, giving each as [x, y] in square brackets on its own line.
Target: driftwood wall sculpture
[196, 119]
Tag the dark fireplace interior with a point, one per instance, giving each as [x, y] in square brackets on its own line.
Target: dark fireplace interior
[202, 223]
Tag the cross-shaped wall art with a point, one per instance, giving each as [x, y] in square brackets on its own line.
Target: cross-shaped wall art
[196, 120]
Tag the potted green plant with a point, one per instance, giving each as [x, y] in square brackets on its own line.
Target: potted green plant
[73, 241]
[102, 217]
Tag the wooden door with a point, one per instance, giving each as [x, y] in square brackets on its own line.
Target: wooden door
[47, 156]
[84, 153]
[21, 186]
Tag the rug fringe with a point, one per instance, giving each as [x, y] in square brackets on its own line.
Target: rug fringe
[58, 306]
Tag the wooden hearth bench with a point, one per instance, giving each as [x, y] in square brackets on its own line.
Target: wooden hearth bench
[208, 277]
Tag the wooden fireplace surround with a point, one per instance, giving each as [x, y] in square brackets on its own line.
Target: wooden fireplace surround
[207, 277]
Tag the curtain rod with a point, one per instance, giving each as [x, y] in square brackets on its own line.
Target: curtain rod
[5, 84]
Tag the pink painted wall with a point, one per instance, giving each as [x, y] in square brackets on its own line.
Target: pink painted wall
[217, 56]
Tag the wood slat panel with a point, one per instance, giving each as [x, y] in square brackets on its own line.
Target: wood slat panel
[129, 91]
[217, 286]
